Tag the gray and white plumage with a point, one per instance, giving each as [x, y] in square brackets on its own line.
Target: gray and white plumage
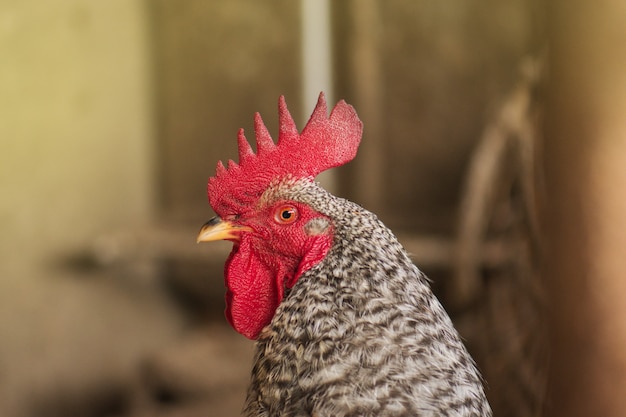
[360, 333]
[345, 323]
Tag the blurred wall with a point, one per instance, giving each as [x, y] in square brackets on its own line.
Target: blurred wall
[75, 123]
[217, 63]
[425, 78]
[76, 161]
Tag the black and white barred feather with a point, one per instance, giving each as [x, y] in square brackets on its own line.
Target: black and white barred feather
[361, 333]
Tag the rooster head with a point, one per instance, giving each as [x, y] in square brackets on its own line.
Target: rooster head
[276, 236]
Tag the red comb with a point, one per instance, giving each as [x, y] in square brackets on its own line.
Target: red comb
[325, 142]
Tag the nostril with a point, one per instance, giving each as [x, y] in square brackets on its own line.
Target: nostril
[215, 220]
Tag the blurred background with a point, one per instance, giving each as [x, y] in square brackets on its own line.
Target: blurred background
[113, 115]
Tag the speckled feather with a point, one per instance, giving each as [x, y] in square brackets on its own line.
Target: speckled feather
[360, 333]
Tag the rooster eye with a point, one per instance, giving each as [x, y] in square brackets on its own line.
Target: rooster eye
[286, 215]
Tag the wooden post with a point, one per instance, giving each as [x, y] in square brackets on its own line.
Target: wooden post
[584, 208]
[365, 70]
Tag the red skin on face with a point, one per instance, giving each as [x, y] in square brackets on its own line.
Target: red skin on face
[266, 262]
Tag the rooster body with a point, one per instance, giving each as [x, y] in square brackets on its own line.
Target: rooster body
[353, 328]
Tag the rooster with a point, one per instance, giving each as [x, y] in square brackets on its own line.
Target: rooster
[345, 324]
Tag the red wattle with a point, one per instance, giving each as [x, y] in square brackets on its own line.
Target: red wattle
[255, 283]
[251, 296]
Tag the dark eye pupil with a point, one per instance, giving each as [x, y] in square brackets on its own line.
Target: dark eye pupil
[286, 214]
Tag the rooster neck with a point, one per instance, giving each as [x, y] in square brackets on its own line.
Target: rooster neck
[367, 273]
[366, 269]
[365, 313]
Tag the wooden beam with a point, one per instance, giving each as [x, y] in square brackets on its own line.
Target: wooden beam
[584, 208]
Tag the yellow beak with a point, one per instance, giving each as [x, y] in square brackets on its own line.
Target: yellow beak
[218, 229]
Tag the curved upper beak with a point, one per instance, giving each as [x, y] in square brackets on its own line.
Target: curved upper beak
[218, 229]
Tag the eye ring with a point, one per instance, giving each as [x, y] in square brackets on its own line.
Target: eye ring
[286, 214]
